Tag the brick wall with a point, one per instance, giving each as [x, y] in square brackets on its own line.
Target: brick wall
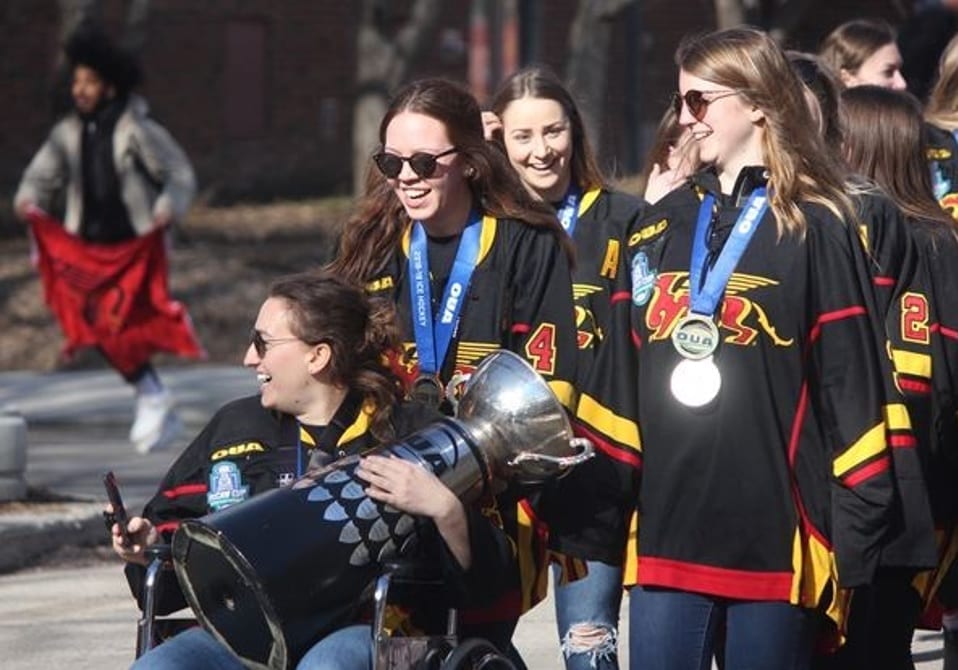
[277, 123]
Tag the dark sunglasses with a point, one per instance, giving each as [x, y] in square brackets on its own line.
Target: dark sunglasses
[422, 163]
[261, 344]
[696, 101]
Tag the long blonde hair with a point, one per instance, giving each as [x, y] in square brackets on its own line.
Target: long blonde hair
[942, 107]
[801, 169]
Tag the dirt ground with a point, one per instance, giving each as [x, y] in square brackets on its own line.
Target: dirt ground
[222, 263]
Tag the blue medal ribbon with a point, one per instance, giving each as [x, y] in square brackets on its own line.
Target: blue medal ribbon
[568, 212]
[704, 297]
[434, 332]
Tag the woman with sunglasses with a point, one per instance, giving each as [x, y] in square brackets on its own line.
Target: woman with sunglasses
[884, 141]
[536, 122]
[765, 471]
[317, 349]
[474, 264]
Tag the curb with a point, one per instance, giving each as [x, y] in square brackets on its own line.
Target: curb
[43, 528]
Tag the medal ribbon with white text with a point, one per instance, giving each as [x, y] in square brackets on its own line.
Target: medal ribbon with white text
[434, 333]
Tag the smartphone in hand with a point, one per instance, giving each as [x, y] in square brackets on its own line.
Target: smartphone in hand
[119, 511]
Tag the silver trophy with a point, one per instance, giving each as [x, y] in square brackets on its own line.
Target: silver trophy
[272, 575]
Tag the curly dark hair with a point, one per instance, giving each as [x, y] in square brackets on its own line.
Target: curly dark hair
[90, 46]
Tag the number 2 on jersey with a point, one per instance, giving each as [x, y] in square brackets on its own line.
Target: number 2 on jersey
[914, 318]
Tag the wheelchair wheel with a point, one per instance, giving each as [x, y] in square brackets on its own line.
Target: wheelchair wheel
[476, 654]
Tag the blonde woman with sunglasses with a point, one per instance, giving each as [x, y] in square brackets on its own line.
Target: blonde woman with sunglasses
[766, 482]
[474, 264]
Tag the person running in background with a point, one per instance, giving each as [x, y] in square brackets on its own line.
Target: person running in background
[535, 120]
[474, 263]
[122, 180]
[863, 51]
[766, 476]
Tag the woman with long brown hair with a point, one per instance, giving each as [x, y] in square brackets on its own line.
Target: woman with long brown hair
[766, 478]
[538, 125]
[884, 141]
[474, 264]
[864, 52]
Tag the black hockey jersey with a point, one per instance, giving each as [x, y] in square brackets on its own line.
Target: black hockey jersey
[589, 509]
[781, 488]
[942, 152]
[246, 450]
[519, 298]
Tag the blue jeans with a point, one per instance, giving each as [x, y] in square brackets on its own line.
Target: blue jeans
[193, 649]
[677, 630]
[587, 615]
[349, 648]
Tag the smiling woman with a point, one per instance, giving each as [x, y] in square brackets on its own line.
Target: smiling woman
[535, 120]
[753, 485]
[473, 262]
[318, 349]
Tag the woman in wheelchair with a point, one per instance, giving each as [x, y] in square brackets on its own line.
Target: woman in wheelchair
[318, 349]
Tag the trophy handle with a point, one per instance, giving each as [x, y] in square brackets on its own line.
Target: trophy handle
[585, 447]
[457, 380]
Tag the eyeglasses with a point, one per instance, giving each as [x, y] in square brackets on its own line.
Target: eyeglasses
[261, 345]
[422, 163]
[696, 101]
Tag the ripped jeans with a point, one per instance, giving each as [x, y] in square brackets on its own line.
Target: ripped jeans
[587, 615]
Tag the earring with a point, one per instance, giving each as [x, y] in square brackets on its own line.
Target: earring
[469, 172]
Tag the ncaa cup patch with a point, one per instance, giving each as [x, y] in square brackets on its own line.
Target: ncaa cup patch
[225, 486]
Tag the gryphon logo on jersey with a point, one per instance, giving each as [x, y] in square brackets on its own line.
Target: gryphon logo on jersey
[741, 319]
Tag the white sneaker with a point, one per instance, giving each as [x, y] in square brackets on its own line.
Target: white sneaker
[156, 424]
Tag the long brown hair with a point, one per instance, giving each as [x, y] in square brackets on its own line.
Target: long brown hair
[747, 60]
[373, 233]
[885, 141]
[826, 89]
[942, 107]
[854, 42]
[539, 82]
[359, 330]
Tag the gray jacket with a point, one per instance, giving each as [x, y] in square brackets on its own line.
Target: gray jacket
[155, 175]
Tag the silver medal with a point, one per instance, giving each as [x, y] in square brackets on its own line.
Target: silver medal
[695, 337]
[696, 383]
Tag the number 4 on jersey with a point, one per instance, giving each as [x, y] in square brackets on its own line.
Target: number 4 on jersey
[541, 349]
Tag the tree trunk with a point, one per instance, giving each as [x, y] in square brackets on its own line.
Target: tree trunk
[383, 63]
[587, 67]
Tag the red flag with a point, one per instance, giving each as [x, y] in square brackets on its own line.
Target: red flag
[112, 296]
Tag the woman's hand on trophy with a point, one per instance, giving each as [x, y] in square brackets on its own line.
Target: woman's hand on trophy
[406, 486]
[142, 534]
[411, 488]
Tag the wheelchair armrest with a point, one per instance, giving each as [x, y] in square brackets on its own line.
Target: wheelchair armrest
[159, 552]
[410, 569]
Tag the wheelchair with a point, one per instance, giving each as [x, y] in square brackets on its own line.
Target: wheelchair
[435, 649]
